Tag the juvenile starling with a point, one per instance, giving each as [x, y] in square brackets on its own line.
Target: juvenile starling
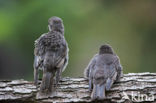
[103, 70]
[51, 56]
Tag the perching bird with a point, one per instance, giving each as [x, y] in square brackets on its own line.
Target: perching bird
[103, 70]
[51, 56]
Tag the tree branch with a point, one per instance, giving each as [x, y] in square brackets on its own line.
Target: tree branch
[133, 87]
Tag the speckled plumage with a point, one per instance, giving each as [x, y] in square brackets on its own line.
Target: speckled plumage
[103, 70]
[51, 56]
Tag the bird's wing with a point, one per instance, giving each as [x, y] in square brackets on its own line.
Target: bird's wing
[37, 62]
[111, 79]
[62, 63]
[66, 59]
[89, 71]
[61, 55]
[111, 75]
[38, 58]
[90, 66]
[115, 72]
[118, 68]
[39, 52]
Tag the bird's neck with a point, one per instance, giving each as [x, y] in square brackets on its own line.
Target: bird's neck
[55, 30]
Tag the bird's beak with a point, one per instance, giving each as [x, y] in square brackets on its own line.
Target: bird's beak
[98, 92]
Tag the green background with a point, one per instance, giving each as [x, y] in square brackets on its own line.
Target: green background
[129, 26]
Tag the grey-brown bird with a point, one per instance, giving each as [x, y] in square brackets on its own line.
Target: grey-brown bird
[51, 56]
[103, 70]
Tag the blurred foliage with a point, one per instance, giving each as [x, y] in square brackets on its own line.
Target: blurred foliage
[129, 26]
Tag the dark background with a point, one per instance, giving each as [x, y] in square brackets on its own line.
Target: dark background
[128, 25]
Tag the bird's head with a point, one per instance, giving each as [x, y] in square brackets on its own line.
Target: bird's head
[106, 49]
[56, 24]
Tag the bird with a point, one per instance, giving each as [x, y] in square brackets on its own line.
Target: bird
[50, 56]
[102, 71]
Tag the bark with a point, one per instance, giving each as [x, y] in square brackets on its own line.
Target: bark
[133, 87]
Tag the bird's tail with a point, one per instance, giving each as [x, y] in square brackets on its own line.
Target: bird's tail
[47, 86]
[98, 92]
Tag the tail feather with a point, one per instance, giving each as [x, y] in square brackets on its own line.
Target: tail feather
[102, 92]
[47, 83]
[98, 92]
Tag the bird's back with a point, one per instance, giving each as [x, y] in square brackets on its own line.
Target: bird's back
[105, 59]
[51, 48]
[51, 41]
[105, 65]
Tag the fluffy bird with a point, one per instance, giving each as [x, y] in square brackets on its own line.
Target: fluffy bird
[51, 56]
[103, 70]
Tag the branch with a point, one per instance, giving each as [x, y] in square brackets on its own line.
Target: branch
[133, 87]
